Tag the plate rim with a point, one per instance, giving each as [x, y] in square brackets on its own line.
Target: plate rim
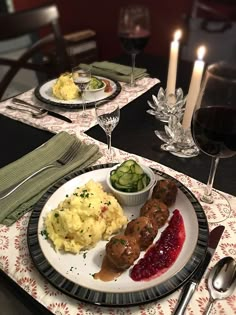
[111, 299]
[68, 105]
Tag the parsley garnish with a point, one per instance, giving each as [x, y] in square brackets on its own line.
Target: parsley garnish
[119, 240]
[44, 233]
[84, 194]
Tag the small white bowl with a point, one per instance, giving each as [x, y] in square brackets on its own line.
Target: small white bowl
[132, 198]
[93, 95]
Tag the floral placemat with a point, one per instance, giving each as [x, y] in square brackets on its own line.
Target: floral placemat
[16, 262]
[79, 124]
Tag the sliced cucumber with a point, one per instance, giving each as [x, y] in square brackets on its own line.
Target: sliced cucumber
[129, 177]
[140, 185]
[129, 163]
[124, 169]
[138, 169]
[126, 179]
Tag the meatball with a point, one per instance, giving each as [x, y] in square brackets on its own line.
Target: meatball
[156, 210]
[122, 250]
[166, 191]
[143, 230]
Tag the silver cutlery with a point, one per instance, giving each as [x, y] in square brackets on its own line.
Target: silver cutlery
[221, 281]
[23, 103]
[35, 114]
[190, 287]
[67, 157]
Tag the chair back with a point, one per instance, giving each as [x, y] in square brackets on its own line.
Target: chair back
[24, 22]
[31, 21]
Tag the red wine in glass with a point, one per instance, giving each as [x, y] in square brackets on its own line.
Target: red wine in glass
[134, 43]
[214, 131]
[134, 33]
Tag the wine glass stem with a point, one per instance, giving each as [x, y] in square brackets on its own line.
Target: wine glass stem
[132, 81]
[109, 145]
[208, 192]
[83, 101]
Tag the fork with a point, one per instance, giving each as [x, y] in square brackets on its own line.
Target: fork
[68, 156]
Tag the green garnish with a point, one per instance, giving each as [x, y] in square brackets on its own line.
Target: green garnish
[44, 233]
[84, 194]
[107, 203]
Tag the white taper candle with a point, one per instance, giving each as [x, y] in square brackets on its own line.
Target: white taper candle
[173, 63]
[194, 87]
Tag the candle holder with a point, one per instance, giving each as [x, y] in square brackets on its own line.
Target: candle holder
[164, 106]
[177, 140]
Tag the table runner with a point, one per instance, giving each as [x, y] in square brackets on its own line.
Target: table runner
[15, 260]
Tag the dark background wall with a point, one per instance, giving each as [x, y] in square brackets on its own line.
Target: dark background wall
[102, 16]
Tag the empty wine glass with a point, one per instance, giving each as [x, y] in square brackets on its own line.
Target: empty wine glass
[214, 128]
[108, 117]
[81, 78]
[134, 33]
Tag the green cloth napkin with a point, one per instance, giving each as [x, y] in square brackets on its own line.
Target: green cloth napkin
[114, 71]
[23, 199]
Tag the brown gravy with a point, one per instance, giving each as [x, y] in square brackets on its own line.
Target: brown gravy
[107, 272]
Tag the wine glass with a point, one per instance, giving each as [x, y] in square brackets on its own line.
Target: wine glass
[81, 78]
[134, 33]
[108, 117]
[214, 128]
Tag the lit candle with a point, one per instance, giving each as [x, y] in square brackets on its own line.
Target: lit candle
[194, 87]
[173, 61]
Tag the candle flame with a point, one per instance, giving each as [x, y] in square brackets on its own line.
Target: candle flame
[177, 35]
[201, 52]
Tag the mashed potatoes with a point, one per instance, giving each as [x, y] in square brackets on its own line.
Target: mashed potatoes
[64, 88]
[86, 217]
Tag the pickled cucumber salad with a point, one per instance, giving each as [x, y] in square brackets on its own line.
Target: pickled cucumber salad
[129, 177]
[95, 84]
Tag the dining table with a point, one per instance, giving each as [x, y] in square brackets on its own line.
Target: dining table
[133, 138]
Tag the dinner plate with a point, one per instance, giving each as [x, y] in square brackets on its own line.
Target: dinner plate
[44, 93]
[73, 274]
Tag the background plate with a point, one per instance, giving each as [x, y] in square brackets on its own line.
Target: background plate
[44, 93]
[72, 274]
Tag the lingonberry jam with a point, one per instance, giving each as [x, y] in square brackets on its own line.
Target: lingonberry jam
[161, 255]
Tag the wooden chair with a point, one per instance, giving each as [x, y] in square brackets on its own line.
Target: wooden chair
[34, 21]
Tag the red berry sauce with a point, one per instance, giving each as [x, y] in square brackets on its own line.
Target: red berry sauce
[161, 255]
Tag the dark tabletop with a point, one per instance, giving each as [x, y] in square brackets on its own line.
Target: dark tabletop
[134, 133]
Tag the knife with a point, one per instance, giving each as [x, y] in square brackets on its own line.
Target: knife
[49, 112]
[190, 287]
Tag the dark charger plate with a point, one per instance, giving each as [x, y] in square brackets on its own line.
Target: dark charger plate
[118, 299]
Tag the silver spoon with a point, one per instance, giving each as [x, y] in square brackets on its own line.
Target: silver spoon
[38, 114]
[221, 281]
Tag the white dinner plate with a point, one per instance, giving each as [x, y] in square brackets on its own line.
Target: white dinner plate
[44, 94]
[73, 273]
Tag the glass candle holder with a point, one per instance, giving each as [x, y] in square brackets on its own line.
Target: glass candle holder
[163, 106]
[177, 140]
